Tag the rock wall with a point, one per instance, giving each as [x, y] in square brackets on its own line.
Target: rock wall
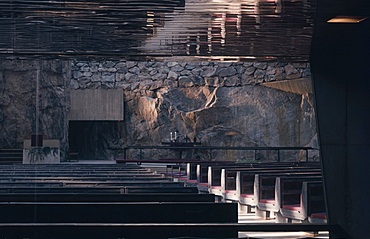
[219, 103]
[33, 100]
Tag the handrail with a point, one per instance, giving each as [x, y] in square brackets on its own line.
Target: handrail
[183, 148]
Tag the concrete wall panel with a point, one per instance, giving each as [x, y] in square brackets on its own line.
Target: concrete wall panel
[97, 104]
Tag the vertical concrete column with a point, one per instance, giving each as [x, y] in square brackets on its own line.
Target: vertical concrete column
[340, 63]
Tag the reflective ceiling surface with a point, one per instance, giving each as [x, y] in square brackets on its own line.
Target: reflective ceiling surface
[216, 30]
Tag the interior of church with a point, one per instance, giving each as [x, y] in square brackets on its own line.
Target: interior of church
[184, 119]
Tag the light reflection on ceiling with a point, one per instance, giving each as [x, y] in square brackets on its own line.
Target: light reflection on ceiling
[238, 30]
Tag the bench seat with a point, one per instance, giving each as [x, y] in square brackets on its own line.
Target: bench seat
[318, 218]
[247, 195]
[295, 207]
[299, 200]
[319, 215]
[269, 201]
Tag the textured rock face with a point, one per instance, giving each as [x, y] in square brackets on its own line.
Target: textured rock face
[224, 116]
[219, 103]
[22, 113]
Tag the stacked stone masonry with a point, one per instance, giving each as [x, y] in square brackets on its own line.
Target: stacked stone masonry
[151, 76]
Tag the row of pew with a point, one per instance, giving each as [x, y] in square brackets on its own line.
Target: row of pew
[284, 191]
[104, 201]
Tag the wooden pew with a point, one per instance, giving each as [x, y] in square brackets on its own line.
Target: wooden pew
[117, 189]
[117, 212]
[214, 178]
[202, 174]
[102, 197]
[30, 228]
[229, 177]
[175, 171]
[133, 215]
[83, 181]
[215, 175]
[153, 189]
[229, 181]
[76, 167]
[268, 200]
[134, 182]
[82, 167]
[164, 160]
[88, 185]
[190, 176]
[197, 172]
[10, 184]
[55, 175]
[121, 230]
[298, 196]
[319, 217]
[166, 201]
[193, 172]
[62, 176]
[316, 208]
[52, 178]
[78, 173]
[37, 190]
[246, 189]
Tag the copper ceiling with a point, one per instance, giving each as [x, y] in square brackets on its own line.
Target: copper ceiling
[154, 30]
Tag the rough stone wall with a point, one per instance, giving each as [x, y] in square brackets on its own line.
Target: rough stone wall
[33, 100]
[219, 103]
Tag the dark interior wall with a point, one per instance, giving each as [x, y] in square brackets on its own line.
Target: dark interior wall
[98, 140]
[340, 63]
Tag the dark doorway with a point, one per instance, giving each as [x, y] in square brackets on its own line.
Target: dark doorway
[95, 140]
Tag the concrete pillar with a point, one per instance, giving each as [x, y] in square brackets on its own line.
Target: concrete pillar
[340, 63]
